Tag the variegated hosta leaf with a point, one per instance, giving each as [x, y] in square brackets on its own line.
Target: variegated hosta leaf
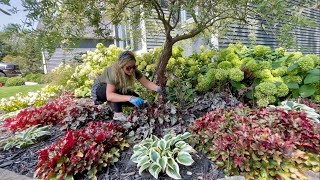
[144, 166]
[143, 160]
[137, 156]
[163, 162]
[172, 169]
[184, 158]
[168, 137]
[147, 142]
[180, 143]
[186, 135]
[154, 138]
[162, 144]
[187, 148]
[154, 155]
[154, 170]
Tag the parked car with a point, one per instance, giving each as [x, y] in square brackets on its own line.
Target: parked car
[9, 70]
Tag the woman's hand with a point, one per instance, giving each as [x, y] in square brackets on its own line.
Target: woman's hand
[136, 101]
[161, 91]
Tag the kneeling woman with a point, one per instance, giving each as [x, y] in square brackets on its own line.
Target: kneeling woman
[114, 85]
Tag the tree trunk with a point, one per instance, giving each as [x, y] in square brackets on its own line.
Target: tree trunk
[162, 64]
[161, 79]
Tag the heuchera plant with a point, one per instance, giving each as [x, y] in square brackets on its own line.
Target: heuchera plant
[89, 149]
[259, 143]
[163, 155]
[79, 114]
[50, 114]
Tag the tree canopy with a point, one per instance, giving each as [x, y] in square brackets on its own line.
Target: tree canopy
[68, 19]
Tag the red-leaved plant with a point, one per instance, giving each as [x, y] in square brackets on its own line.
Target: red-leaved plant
[85, 150]
[259, 143]
[50, 114]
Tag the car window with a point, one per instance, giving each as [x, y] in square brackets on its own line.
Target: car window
[10, 66]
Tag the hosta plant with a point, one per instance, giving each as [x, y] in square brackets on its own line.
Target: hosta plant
[50, 114]
[26, 138]
[311, 113]
[163, 155]
[259, 143]
[86, 150]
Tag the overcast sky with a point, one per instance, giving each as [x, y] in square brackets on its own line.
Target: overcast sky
[19, 17]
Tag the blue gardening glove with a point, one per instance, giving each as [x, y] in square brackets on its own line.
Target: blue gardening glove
[163, 91]
[136, 101]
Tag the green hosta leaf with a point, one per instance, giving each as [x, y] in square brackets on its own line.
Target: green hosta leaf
[184, 158]
[185, 136]
[172, 169]
[162, 144]
[143, 167]
[311, 78]
[307, 90]
[137, 156]
[154, 155]
[180, 144]
[143, 160]
[315, 72]
[154, 170]
[163, 162]
[167, 137]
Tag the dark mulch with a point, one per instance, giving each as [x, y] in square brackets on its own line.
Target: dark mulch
[24, 161]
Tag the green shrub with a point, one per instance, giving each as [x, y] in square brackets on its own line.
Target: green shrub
[60, 75]
[38, 78]
[3, 80]
[15, 81]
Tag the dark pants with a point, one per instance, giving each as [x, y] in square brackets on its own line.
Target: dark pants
[98, 93]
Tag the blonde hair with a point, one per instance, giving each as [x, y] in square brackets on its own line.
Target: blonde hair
[124, 81]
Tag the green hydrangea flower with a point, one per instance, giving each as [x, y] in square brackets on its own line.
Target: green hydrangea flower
[315, 58]
[260, 50]
[265, 74]
[280, 51]
[282, 90]
[225, 65]
[306, 63]
[265, 65]
[267, 88]
[221, 74]
[271, 99]
[317, 98]
[251, 64]
[263, 102]
[279, 71]
[236, 74]
[295, 79]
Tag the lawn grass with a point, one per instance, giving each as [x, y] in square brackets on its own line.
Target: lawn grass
[6, 92]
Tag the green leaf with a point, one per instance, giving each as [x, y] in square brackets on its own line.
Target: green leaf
[163, 162]
[143, 160]
[315, 72]
[292, 85]
[154, 155]
[307, 90]
[154, 170]
[162, 144]
[168, 136]
[173, 173]
[311, 78]
[143, 167]
[186, 135]
[237, 85]
[184, 158]
[293, 67]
